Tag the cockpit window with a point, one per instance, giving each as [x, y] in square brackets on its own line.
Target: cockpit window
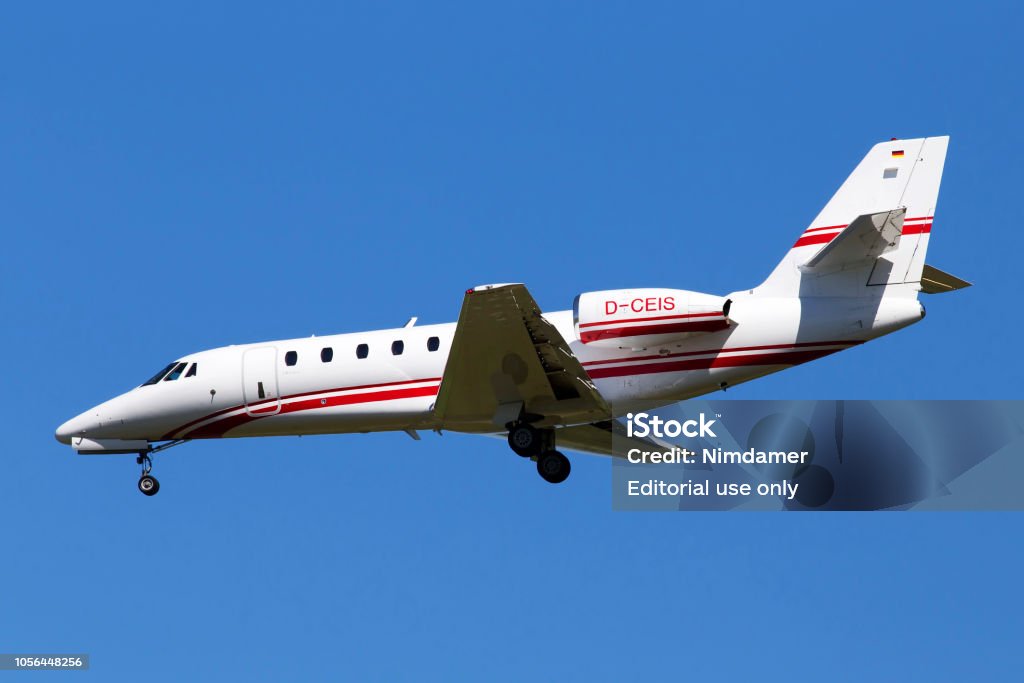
[156, 378]
[192, 370]
[176, 372]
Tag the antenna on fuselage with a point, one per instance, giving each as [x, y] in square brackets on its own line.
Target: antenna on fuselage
[412, 321]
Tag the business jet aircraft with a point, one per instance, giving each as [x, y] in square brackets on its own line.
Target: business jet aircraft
[560, 379]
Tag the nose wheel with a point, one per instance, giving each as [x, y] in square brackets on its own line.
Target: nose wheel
[147, 482]
[149, 485]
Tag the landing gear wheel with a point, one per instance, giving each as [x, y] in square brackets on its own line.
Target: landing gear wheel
[553, 467]
[149, 485]
[147, 482]
[525, 440]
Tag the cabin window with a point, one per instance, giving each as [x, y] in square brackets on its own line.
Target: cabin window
[397, 347]
[176, 372]
[327, 354]
[158, 376]
[433, 344]
[291, 358]
[192, 370]
[362, 351]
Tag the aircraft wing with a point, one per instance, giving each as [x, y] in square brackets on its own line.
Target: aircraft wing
[506, 360]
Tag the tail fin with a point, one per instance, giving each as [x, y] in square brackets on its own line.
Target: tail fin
[900, 175]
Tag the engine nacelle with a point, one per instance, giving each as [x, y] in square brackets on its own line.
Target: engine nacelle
[640, 318]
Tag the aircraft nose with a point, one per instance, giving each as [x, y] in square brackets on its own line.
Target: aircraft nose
[73, 427]
[64, 432]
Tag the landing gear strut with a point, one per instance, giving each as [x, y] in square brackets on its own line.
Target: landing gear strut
[147, 483]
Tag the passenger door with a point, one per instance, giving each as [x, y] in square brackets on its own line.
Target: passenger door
[259, 381]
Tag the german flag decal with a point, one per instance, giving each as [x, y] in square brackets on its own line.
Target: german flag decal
[897, 153]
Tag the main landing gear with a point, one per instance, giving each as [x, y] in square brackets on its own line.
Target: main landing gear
[553, 467]
[539, 444]
[147, 482]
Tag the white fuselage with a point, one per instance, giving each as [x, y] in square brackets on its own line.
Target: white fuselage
[256, 389]
[560, 378]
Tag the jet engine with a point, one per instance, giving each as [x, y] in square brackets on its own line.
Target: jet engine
[639, 318]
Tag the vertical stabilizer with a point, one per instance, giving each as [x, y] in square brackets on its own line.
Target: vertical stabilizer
[899, 175]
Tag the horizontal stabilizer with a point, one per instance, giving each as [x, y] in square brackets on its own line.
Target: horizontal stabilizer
[862, 241]
[935, 281]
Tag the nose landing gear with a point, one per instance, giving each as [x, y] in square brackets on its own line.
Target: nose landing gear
[147, 483]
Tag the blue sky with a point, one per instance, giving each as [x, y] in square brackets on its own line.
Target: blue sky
[188, 176]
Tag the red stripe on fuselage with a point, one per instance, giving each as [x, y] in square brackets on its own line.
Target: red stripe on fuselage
[641, 330]
[271, 404]
[784, 358]
[682, 354]
[391, 390]
[683, 316]
[221, 427]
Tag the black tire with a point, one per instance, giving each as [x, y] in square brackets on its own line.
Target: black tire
[553, 467]
[148, 485]
[525, 440]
